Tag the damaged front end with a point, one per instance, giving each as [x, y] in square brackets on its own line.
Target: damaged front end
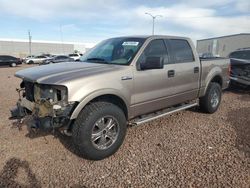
[47, 105]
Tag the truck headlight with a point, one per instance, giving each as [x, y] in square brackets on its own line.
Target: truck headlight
[54, 93]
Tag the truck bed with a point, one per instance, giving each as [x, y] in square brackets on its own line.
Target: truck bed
[211, 67]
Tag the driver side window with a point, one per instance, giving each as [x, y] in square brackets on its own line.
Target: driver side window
[155, 48]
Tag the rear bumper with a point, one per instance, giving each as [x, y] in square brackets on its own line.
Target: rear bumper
[240, 81]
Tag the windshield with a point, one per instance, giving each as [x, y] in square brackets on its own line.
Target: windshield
[118, 51]
[245, 54]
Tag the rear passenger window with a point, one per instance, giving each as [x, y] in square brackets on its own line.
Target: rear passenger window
[182, 50]
[155, 48]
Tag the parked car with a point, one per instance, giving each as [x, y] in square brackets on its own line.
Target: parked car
[240, 67]
[75, 56]
[57, 59]
[121, 81]
[37, 59]
[29, 57]
[9, 60]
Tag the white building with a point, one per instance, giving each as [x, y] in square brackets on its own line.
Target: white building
[21, 48]
[224, 45]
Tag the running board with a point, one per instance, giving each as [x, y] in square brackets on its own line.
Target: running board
[161, 113]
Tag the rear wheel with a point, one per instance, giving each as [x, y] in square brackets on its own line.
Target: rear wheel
[211, 101]
[13, 64]
[99, 130]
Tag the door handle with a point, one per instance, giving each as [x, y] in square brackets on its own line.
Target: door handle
[171, 73]
[196, 69]
[126, 78]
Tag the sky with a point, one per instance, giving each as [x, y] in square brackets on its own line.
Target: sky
[90, 21]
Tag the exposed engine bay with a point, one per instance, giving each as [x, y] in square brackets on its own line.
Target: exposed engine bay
[47, 104]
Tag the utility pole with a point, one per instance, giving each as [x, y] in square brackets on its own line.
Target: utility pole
[153, 17]
[30, 37]
[61, 34]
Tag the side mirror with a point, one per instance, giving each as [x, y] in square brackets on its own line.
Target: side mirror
[152, 63]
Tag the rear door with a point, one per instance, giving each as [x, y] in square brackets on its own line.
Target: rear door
[186, 69]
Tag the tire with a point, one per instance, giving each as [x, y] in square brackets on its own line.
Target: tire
[31, 62]
[90, 130]
[211, 101]
[13, 65]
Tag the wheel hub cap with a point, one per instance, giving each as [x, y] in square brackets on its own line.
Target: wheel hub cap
[215, 99]
[105, 132]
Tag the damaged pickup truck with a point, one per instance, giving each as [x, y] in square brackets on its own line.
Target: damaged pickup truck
[122, 81]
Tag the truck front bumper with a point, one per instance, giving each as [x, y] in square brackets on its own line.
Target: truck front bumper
[43, 114]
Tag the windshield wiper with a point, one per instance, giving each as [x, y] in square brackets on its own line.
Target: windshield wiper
[97, 59]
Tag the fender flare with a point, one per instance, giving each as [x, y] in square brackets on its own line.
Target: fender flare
[210, 80]
[94, 95]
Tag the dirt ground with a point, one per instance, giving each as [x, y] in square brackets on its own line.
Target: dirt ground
[187, 149]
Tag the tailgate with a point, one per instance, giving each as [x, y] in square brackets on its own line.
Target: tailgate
[240, 69]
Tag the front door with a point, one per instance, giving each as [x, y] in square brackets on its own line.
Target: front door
[150, 86]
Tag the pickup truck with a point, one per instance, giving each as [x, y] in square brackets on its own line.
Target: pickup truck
[121, 81]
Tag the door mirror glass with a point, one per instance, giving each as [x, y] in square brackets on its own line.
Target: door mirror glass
[152, 63]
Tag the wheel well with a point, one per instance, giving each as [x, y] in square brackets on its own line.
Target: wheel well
[217, 79]
[114, 100]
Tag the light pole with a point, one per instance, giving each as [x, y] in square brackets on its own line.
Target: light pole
[30, 37]
[61, 34]
[153, 17]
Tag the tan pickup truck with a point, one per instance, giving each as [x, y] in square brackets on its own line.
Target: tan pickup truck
[121, 81]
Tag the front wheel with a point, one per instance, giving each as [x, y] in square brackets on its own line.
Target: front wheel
[211, 101]
[99, 130]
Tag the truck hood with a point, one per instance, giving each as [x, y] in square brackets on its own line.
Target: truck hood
[63, 72]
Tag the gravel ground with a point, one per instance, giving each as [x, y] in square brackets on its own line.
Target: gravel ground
[187, 149]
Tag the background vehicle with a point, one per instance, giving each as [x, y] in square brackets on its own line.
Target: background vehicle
[240, 67]
[28, 57]
[37, 59]
[75, 56]
[207, 56]
[9, 60]
[57, 59]
[122, 80]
